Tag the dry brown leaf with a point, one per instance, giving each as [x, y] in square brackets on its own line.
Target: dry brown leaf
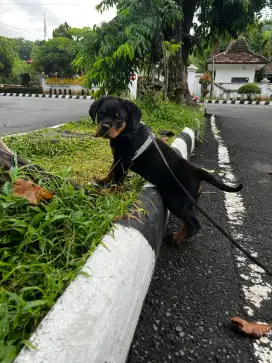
[30, 191]
[164, 138]
[257, 330]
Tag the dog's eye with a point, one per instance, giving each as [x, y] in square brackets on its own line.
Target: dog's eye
[101, 113]
[117, 115]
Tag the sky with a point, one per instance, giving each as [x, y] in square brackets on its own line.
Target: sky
[28, 16]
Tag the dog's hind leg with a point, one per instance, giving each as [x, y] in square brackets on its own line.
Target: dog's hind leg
[180, 206]
[190, 228]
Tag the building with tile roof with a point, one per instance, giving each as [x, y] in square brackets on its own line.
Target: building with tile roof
[236, 65]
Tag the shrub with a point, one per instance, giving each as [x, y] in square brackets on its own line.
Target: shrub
[25, 78]
[250, 90]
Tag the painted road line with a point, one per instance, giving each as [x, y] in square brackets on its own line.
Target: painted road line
[256, 290]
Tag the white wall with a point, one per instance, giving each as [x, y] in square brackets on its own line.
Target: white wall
[225, 72]
[232, 86]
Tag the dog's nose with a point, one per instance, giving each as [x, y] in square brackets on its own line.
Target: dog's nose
[105, 128]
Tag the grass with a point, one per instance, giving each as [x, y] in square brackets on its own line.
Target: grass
[83, 158]
[44, 247]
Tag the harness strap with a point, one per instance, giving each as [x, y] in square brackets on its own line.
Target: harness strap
[145, 145]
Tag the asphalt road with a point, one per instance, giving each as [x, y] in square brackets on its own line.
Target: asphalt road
[20, 114]
[198, 287]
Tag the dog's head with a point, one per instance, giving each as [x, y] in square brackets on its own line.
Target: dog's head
[114, 115]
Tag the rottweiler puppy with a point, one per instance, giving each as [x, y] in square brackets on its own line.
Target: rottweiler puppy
[133, 148]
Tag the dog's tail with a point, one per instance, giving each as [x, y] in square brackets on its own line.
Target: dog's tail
[209, 178]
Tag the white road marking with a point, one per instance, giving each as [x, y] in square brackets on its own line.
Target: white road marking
[255, 289]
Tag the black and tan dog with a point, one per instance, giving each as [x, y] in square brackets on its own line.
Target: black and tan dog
[133, 148]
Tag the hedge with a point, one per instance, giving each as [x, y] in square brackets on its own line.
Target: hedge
[24, 90]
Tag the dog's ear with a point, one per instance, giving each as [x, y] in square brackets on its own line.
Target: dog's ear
[134, 112]
[95, 108]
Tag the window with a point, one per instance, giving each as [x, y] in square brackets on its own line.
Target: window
[239, 80]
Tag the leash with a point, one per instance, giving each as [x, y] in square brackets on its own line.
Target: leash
[207, 216]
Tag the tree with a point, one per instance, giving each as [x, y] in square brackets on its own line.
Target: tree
[79, 33]
[141, 27]
[19, 68]
[22, 47]
[259, 37]
[25, 77]
[113, 52]
[55, 55]
[6, 58]
[62, 31]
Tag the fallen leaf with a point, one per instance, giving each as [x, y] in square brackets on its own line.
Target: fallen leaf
[164, 138]
[30, 191]
[257, 330]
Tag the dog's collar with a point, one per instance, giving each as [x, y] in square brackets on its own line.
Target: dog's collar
[145, 145]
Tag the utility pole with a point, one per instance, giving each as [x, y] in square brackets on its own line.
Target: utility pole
[44, 27]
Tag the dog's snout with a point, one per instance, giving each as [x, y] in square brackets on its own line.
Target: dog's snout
[105, 128]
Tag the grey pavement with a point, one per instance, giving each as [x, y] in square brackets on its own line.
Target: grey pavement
[20, 114]
[197, 288]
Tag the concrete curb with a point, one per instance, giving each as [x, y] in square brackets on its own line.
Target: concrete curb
[33, 95]
[96, 317]
[265, 103]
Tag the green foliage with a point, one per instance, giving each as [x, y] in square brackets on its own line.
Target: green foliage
[22, 47]
[43, 249]
[200, 61]
[55, 55]
[63, 31]
[6, 58]
[216, 20]
[259, 37]
[79, 33]
[19, 68]
[25, 79]
[165, 115]
[113, 52]
[134, 39]
[250, 90]
[15, 52]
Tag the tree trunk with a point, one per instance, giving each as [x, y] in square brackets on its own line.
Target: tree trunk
[35, 172]
[165, 71]
[178, 90]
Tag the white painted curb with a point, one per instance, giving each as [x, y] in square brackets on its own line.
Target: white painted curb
[95, 318]
[39, 95]
[29, 132]
[225, 102]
